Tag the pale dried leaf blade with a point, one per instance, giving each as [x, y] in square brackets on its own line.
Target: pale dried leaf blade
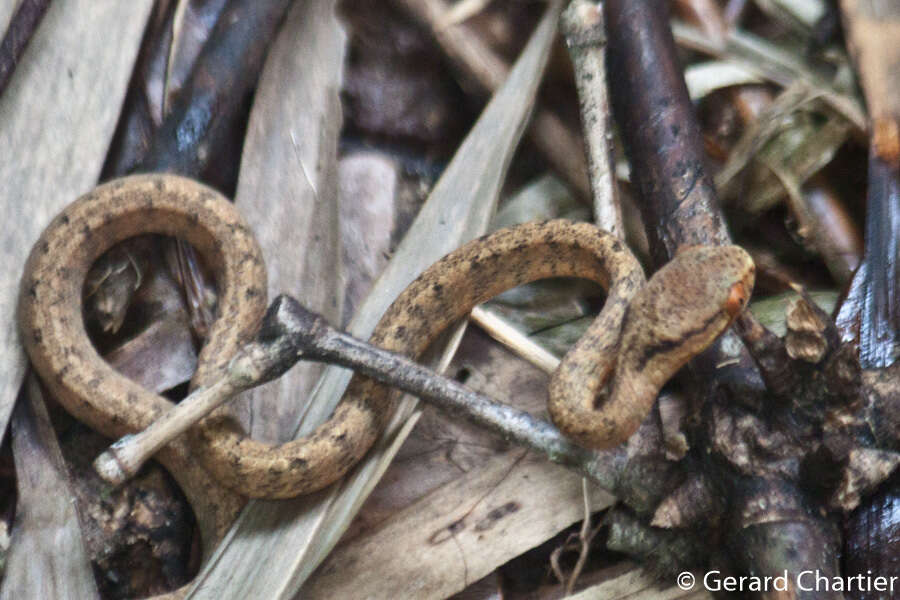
[287, 190]
[57, 117]
[47, 558]
[459, 533]
[458, 209]
[797, 15]
[774, 120]
[502, 504]
[704, 78]
[768, 61]
[7, 7]
[350, 495]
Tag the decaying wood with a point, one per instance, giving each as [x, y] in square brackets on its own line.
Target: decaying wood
[47, 558]
[58, 112]
[287, 189]
[766, 525]
[871, 312]
[139, 536]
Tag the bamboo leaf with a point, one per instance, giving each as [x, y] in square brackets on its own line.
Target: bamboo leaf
[56, 120]
[275, 545]
[7, 7]
[704, 78]
[287, 189]
[770, 62]
[47, 558]
[546, 501]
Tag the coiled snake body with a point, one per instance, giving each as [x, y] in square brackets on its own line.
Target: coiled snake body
[645, 332]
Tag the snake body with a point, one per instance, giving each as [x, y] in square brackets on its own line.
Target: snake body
[601, 392]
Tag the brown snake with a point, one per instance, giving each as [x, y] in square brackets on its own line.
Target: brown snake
[645, 332]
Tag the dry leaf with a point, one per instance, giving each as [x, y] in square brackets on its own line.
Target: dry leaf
[58, 114]
[47, 558]
[287, 190]
[287, 540]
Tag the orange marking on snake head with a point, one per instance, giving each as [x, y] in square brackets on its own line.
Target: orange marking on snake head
[737, 299]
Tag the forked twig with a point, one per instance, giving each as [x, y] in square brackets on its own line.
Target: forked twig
[290, 333]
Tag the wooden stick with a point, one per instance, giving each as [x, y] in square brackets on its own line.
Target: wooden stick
[291, 332]
[20, 31]
[582, 25]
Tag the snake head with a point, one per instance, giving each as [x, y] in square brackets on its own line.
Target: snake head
[680, 311]
[684, 307]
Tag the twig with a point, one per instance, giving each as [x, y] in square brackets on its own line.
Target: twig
[582, 26]
[501, 330]
[290, 333]
[662, 139]
[823, 224]
[224, 73]
[558, 144]
[20, 31]
[585, 537]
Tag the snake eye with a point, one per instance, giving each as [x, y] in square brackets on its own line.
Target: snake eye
[737, 297]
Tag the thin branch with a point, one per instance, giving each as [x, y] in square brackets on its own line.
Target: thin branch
[582, 26]
[503, 331]
[20, 31]
[290, 333]
[224, 73]
[661, 135]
